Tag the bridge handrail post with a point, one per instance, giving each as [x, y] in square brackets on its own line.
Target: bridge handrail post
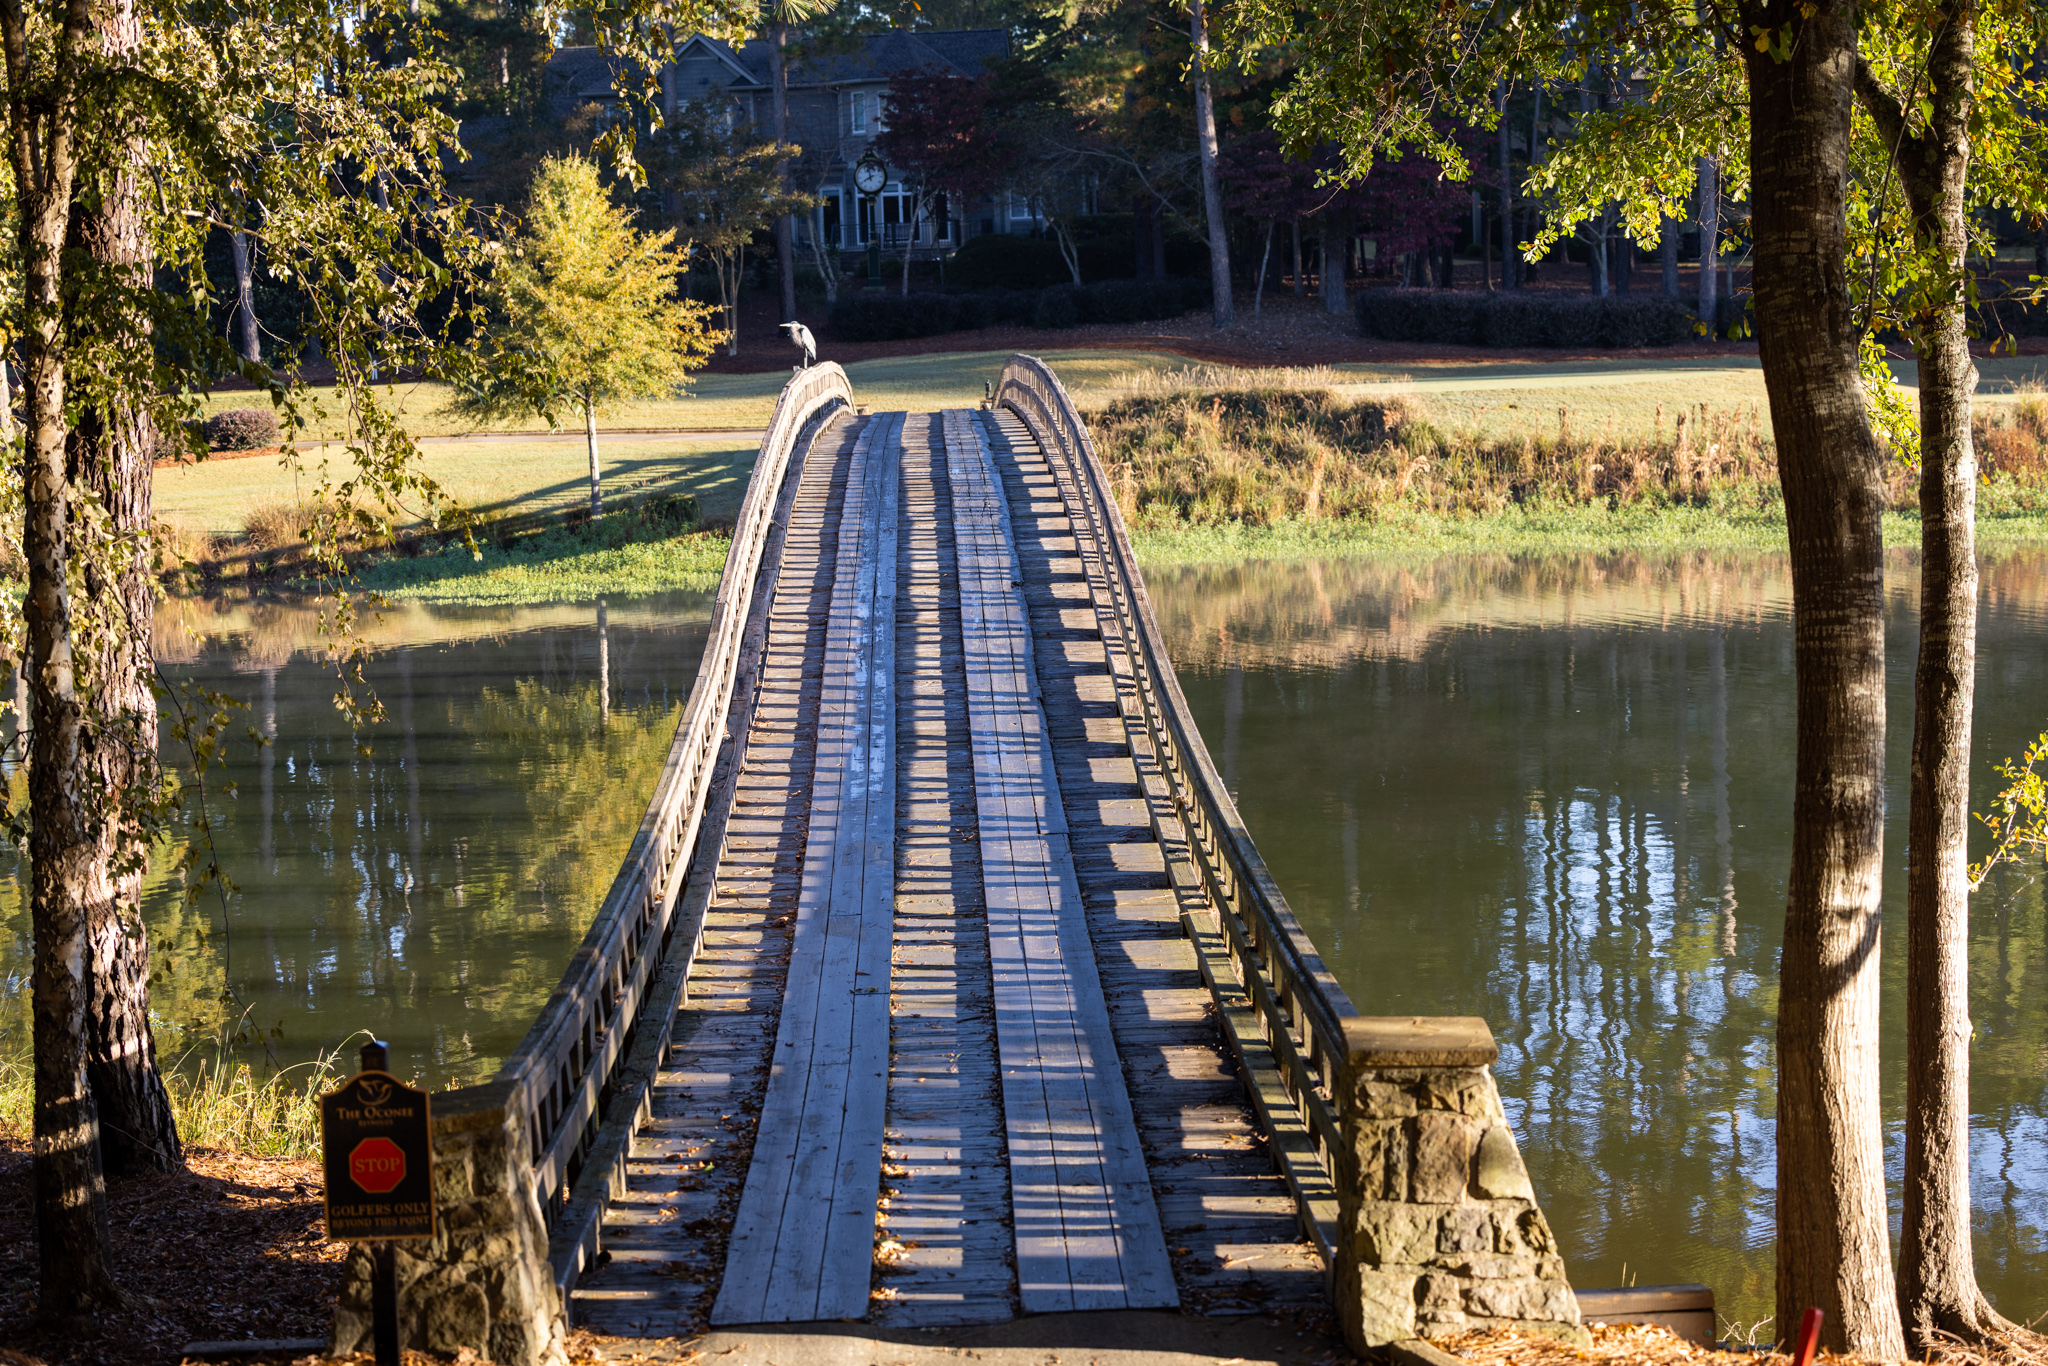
[1301, 1000]
[1404, 1114]
[575, 1087]
[1439, 1229]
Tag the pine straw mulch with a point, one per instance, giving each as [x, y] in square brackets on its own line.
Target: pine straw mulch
[1630, 1344]
[232, 1247]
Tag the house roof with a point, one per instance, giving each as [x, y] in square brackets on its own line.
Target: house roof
[584, 75]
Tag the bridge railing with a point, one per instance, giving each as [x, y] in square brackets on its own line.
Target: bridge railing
[1301, 1009]
[562, 1079]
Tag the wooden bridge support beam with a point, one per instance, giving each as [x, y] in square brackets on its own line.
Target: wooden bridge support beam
[482, 1281]
[1438, 1227]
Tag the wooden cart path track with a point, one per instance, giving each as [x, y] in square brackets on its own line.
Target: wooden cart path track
[945, 1053]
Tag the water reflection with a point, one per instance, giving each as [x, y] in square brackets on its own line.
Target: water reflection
[1556, 792]
[433, 888]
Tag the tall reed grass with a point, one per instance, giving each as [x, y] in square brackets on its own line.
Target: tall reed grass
[219, 1102]
[1262, 456]
[1186, 450]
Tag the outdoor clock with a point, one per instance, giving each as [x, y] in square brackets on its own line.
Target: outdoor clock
[870, 175]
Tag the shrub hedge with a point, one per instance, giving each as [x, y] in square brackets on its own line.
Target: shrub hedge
[863, 316]
[1103, 243]
[1515, 321]
[242, 429]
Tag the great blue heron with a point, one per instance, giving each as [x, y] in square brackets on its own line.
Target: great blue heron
[800, 336]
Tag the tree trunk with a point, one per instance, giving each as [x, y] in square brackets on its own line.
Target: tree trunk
[1667, 257]
[1222, 309]
[110, 452]
[70, 1196]
[246, 344]
[1265, 260]
[1300, 284]
[910, 240]
[1834, 1249]
[1710, 240]
[1336, 249]
[1507, 194]
[785, 225]
[1937, 1274]
[590, 444]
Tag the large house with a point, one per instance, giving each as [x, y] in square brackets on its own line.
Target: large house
[835, 110]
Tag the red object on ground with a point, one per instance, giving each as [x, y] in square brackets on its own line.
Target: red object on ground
[1809, 1337]
[378, 1165]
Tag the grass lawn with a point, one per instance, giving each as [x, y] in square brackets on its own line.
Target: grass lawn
[1620, 396]
[488, 477]
[912, 383]
[1499, 397]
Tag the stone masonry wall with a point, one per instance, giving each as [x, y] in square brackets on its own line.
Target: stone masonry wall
[1439, 1230]
[482, 1281]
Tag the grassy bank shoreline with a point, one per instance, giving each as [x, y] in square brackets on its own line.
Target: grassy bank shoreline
[560, 571]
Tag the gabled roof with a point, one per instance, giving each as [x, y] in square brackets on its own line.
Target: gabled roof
[722, 50]
[581, 75]
[958, 52]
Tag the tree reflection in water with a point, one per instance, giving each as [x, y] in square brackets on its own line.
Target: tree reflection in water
[1555, 792]
[433, 888]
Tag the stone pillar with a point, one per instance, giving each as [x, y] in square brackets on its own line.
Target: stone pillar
[482, 1281]
[1438, 1229]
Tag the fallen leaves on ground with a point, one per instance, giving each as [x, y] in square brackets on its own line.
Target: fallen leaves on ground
[1634, 1344]
[231, 1247]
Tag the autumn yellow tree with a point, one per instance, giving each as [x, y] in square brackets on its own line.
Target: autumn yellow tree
[586, 312]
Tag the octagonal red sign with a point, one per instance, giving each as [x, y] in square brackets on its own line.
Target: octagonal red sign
[377, 1165]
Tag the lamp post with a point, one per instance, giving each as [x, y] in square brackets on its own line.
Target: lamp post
[869, 176]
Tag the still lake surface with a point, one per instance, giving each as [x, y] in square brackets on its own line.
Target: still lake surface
[433, 889]
[1556, 792]
[1553, 792]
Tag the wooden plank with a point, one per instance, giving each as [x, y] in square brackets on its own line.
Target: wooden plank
[1087, 1231]
[944, 1254]
[1227, 1216]
[666, 1233]
[803, 1239]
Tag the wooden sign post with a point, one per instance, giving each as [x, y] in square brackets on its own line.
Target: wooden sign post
[378, 1152]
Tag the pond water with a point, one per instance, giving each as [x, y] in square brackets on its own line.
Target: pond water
[1553, 792]
[433, 889]
[1556, 792]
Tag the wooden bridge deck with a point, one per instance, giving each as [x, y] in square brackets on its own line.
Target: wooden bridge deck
[945, 1054]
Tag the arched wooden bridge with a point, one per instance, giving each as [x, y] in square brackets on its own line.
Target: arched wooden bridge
[943, 984]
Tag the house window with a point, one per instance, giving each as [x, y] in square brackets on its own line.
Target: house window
[1020, 206]
[860, 111]
[881, 115]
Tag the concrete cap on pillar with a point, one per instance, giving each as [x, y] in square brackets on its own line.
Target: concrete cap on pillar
[1418, 1041]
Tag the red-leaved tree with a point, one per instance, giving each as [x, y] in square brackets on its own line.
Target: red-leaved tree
[939, 140]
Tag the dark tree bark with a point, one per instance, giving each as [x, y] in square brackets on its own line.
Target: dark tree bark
[246, 343]
[70, 1196]
[1710, 239]
[110, 453]
[1510, 271]
[1667, 257]
[1336, 253]
[1834, 1248]
[1222, 310]
[785, 224]
[1937, 1275]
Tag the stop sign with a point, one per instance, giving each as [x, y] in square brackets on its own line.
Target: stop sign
[377, 1165]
